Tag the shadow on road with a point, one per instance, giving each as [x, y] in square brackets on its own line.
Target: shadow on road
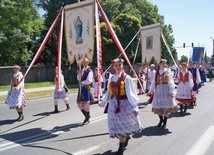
[177, 114]
[109, 152]
[8, 121]
[152, 131]
[87, 136]
[48, 148]
[142, 105]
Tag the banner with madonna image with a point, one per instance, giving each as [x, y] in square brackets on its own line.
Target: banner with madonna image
[151, 43]
[79, 28]
[198, 54]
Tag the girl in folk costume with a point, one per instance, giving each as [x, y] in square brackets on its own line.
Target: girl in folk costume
[184, 91]
[96, 84]
[123, 119]
[61, 92]
[162, 89]
[85, 78]
[142, 74]
[16, 95]
[151, 74]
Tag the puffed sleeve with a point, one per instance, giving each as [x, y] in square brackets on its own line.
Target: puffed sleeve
[131, 93]
[62, 81]
[79, 76]
[191, 80]
[198, 79]
[171, 84]
[21, 85]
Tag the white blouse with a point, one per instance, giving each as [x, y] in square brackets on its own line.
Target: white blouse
[131, 92]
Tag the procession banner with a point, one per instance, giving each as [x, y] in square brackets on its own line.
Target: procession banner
[198, 54]
[79, 29]
[151, 44]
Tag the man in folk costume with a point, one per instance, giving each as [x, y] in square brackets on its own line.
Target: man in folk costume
[61, 92]
[16, 95]
[96, 84]
[184, 91]
[85, 78]
[196, 78]
[162, 89]
[123, 119]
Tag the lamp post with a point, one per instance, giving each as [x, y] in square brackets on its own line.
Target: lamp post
[212, 60]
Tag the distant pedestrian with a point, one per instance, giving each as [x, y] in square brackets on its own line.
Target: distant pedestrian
[185, 85]
[106, 77]
[210, 74]
[162, 89]
[16, 95]
[85, 78]
[60, 92]
[95, 83]
[123, 119]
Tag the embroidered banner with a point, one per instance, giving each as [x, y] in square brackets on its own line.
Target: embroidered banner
[198, 54]
[151, 44]
[79, 28]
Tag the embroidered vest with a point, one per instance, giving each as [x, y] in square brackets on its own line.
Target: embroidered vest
[162, 79]
[85, 74]
[184, 78]
[194, 74]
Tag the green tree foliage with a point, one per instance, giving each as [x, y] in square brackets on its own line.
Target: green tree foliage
[20, 28]
[126, 17]
[184, 58]
[52, 8]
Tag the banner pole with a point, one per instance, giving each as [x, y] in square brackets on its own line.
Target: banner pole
[59, 56]
[99, 50]
[116, 40]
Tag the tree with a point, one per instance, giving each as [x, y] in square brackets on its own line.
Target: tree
[184, 58]
[20, 28]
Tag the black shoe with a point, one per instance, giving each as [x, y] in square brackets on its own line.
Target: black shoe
[127, 141]
[56, 109]
[161, 121]
[164, 123]
[21, 117]
[67, 107]
[87, 117]
[121, 149]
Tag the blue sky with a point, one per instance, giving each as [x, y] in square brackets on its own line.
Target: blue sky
[192, 21]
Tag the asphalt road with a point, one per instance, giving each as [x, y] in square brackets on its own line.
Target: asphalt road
[44, 133]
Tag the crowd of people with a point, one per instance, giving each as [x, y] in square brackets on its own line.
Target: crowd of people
[120, 96]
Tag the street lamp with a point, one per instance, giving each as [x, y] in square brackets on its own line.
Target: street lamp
[212, 60]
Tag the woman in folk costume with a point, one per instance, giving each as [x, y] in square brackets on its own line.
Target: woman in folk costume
[61, 92]
[85, 78]
[123, 119]
[151, 74]
[96, 84]
[184, 91]
[210, 74]
[162, 89]
[16, 95]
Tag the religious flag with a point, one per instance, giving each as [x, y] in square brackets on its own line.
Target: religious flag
[198, 54]
[79, 28]
[151, 43]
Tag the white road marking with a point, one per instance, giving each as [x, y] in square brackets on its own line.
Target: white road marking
[87, 151]
[27, 140]
[203, 143]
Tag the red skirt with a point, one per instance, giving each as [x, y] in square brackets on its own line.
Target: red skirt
[187, 101]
